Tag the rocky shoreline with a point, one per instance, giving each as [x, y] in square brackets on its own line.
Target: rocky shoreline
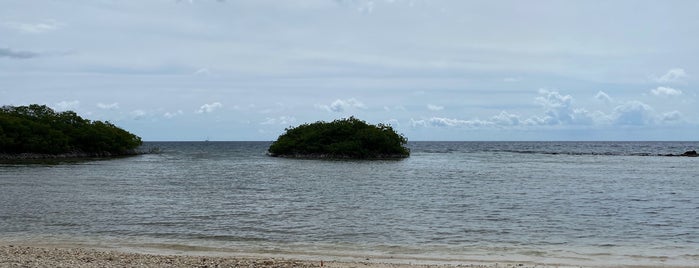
[34, 256]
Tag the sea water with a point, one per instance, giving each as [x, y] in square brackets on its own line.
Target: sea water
[570, 203]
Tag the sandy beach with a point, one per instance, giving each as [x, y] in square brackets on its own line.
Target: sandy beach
[49, 256]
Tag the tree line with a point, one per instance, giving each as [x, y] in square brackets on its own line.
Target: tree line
[40, 129]
[343, 138]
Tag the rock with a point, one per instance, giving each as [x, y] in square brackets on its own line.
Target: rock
[692, 153]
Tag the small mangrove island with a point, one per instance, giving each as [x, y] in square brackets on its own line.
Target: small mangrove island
[349, 138]
[37, 131]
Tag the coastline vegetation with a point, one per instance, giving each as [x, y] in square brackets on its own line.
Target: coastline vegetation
[37, 131]
[348, 138]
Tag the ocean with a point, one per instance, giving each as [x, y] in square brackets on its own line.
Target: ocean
[556, 203]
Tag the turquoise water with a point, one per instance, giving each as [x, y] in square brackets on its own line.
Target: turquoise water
[572, 203]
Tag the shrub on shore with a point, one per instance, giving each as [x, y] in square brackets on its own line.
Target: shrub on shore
[343, 138]
[38, 129]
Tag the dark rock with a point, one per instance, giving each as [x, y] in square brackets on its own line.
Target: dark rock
[692, 153]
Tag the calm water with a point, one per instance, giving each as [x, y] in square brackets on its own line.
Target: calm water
[570, 203]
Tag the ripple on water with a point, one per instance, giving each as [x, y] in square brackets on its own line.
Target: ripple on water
[460, 198]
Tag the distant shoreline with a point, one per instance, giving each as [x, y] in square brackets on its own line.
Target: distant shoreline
[340, 157]
[72, 155]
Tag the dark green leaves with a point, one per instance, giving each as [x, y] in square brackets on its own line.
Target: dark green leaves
[39, 129]
[344, 138]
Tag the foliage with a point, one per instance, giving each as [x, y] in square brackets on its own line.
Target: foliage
[39, 129]
[343, 138]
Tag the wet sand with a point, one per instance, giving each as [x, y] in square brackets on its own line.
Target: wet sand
[50, 256]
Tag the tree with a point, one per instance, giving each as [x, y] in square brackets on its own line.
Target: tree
[343, 138]
[39, 129]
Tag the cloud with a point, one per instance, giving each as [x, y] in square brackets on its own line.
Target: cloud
[32, 28]
[558, 107]
[560, 111]
[339, 105]
[671, 117]
[633, 113]
[392, 122]
[138, 114]
[17, 54]
[169, 115]
[202, 72]
[67, 105]
[672, 75]
[110, 106]
[366, 6]
[603, 97]
[362, 6]
[448, 122]
[434, 107]
[506, 119]
[553, 99]
[282, 120]
[209, 108]
[666, 91]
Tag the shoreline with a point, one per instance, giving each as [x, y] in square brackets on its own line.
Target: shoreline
[39, 157]
[12, 255]
[67, 254]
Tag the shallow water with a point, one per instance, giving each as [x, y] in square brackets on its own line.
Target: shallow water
[578, 203]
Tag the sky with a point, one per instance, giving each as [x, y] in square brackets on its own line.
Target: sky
[434, 70]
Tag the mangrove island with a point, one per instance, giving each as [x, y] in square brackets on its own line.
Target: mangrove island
[37, 131]
[349, 138]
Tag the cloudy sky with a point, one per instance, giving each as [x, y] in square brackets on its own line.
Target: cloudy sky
[435, 70]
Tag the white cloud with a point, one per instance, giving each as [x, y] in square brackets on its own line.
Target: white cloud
[32, 28]
[282, 120]
[558, 107]
[553, 99]
[506, 119]
[672, 75]
[173, 114]
[666, 91]
[339, 105]
[559, 110]
[432, 107]
[448, 122]
[392, 122]
[138, 114]
[67, 105]
[633, 113]
[110, 106]
[603, 97]
[209, 108]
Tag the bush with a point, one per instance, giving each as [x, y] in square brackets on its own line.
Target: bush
[39, 129]
[343, 138]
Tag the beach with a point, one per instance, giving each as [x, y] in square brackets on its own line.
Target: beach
[69, 256]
